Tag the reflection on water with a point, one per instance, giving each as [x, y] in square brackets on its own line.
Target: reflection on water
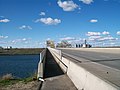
[19, 65]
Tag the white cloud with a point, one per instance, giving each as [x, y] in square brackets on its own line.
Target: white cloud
[42, 13]
[94, 38]
[105, 33]
[2, 16]
[118, 32]
[87, 1]
[93, 33]
[98, 37]
[48, 39]
[23, 40]
[25, 27]
[49, 21]
[78, 41]
[72, 40]
[4, 20]
[3, 37]
[3, 42]
[93, 20]
[6, 37]
[67, 38]
[67, 5]
[29, 27]
[112, 43]
[108, 38]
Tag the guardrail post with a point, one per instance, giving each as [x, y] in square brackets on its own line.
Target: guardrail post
[40, 70]
[41, 65]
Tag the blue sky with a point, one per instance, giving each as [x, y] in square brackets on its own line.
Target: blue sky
[29, 23]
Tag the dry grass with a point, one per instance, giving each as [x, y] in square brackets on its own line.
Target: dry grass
[7, 77]
[8, 82]
[33, 85]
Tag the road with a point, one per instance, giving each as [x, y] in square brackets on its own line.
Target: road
[109, 59]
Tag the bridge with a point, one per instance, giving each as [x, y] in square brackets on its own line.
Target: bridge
[79, 69]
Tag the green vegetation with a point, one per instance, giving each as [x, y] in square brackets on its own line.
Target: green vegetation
[31, 78]
[20, 51]
[9, 80]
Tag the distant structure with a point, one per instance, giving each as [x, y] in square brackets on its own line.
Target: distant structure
[64, 44]
[85, 45]
[50, 43]
[78, 45]
[9, 47]
[1, 47]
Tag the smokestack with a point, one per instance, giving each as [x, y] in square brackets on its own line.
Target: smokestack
[85, 42]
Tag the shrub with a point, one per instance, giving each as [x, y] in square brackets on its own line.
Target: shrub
[7, 77]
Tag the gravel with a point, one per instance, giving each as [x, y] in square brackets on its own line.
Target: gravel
[34, 85]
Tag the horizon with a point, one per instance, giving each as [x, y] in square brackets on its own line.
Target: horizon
[29, 23]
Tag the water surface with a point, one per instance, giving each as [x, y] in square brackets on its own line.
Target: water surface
[18, 65]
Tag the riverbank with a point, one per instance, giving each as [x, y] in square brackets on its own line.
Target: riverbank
[33, 85]
[7, 82]
[20, 51]
[24, 59]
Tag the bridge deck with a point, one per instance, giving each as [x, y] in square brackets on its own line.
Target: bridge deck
[55, 79]
[102, 64]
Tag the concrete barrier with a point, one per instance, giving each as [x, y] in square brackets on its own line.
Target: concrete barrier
[58, 57]
[41, 64]
[82, 78]
[102, 50]
[56, 52]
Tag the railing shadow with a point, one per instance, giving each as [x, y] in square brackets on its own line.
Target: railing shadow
[51, 67]
[106, 60]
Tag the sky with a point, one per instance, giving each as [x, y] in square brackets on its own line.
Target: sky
[29, 23]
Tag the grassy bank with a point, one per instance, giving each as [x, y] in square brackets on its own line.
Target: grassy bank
[8, 79]
[20, 51]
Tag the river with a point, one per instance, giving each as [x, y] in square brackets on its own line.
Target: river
[20, 66]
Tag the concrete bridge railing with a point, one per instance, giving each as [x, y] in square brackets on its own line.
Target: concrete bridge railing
[58, 57]
[41, 65]
[56, 52]
[82, 78]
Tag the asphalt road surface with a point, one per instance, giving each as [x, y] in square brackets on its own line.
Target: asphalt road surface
[109, 59]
